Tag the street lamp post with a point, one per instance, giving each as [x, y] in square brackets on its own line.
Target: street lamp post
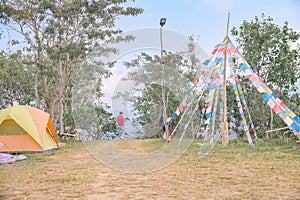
[162, 23]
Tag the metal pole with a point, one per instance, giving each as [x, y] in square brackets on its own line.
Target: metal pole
[163, 79]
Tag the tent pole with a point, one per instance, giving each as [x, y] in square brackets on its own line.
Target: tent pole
[225, 122]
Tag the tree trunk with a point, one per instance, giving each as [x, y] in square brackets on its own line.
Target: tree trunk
[45, 93]
[60, 98]
[61, 113]
[36, 92]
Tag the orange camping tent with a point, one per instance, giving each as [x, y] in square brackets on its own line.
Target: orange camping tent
[25, 128]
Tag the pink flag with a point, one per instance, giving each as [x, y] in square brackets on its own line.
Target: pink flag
[180, 107]
[276, 109]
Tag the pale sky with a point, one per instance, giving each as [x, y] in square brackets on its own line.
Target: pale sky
[207, 19]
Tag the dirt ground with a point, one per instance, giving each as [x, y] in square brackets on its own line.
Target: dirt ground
[235, 171]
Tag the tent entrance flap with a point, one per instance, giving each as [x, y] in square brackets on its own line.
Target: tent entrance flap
[10, 127]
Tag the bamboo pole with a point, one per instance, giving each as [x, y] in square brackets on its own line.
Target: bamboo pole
[225, 122]
[278, 129]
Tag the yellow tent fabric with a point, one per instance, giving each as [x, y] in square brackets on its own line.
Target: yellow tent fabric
[25, 128]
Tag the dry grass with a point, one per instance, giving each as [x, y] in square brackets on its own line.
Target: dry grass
[270, 171]
[139, 146]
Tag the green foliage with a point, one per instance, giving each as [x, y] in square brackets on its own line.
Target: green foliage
[15, 79]
[267, 48]
[261, 133]
[180, 68]
[106, 123]
[92, 116]
[152, 96]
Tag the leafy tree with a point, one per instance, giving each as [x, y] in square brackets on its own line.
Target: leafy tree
[16, 74]
[92, 115]
[106, 123]
[180, 71]
[267, 48]
[59, 35]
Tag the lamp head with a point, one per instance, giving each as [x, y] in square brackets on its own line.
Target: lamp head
[163, 21]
